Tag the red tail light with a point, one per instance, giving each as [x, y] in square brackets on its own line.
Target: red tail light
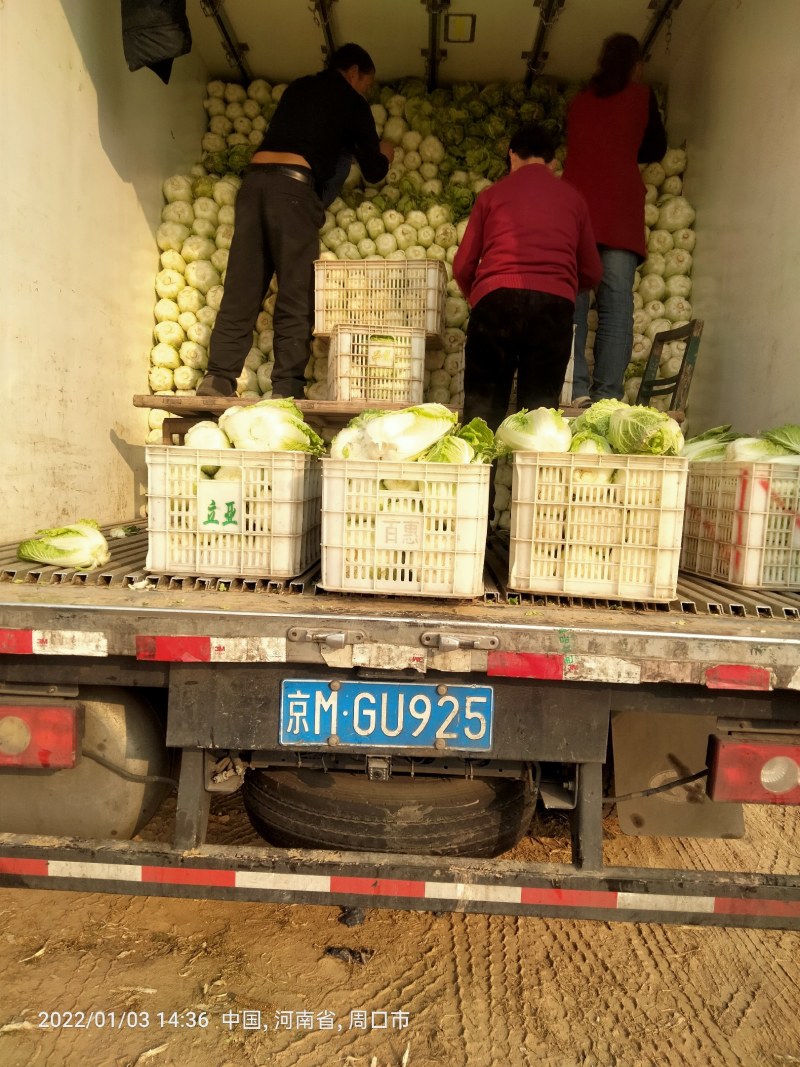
[38, 736]
[754, 772]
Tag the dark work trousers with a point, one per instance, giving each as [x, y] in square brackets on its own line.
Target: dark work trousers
[276, 232]
[515, 331]
[522, 331]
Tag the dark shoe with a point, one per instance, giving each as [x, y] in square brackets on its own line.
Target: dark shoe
[215, 385]
[581, 402]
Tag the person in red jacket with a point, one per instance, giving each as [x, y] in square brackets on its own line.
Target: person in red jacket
[527, 250]
[612, 126]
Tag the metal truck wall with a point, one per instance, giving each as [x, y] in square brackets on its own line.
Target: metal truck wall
[91, 144]
[730, 98]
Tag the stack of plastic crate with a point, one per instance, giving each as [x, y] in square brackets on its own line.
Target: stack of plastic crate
[379, 315]
[414, 529]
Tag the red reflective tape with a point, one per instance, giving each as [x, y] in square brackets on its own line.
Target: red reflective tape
[16, 642]
[174, 649]
[569, 898]
[188, 876]
[9, 865]
[738, 676]
[377, 887]
[751, 906]
[544, 665]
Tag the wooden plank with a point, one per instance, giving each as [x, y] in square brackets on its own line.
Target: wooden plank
[328, 411]
[190, 405]
[327, 417]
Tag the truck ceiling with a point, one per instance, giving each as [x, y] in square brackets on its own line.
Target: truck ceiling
[281, 39]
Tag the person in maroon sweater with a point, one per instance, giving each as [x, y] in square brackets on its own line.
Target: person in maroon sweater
[612, 126]
[527, 250]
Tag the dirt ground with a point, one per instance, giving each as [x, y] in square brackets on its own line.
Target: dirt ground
[452, 989]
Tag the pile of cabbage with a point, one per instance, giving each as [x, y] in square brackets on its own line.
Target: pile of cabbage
[237, 119]
[608, 427]
[425, 433]
[722, 444]
[663, 286]
[449, 145]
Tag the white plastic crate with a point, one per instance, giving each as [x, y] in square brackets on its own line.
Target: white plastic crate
[263, 520]
[365, 365]
[743, 524]
[415, 529]
[573, 534]
[380, 295]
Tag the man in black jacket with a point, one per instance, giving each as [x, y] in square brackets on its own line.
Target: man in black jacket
[279, 213]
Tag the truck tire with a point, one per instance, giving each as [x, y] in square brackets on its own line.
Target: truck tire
[427, 816]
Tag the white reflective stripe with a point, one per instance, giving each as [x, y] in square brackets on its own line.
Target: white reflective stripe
[111, 872]
[501, 894]
[69, 643]
[794, 681]
[247, 650]
[457, 661]
[664, 902]
[389, 657]
[601, 669]
[295, 883]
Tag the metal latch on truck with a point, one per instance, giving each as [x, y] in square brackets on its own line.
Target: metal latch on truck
[328, 638]
[450, 642]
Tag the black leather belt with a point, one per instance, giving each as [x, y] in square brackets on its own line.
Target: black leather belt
[300, 174]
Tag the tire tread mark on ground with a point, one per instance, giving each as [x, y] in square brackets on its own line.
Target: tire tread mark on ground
[485, 946]
[473, 1003]
[313, 1048]
[689, 1030]
[517, 1007]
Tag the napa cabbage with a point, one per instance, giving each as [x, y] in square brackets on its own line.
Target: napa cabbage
[541, 430]
[270, 426]
[641, 430]
[79, 545]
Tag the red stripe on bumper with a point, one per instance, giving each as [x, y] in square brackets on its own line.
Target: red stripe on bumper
[544, 665]
[570, 898]
[174, 649]
[744, 906]
[188, 876]
[9, 865]
[738, 676]
[377, 887]
[16, 642]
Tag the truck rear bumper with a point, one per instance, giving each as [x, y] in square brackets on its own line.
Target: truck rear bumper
[403, 882]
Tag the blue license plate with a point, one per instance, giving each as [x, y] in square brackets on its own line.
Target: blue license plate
[387, 715]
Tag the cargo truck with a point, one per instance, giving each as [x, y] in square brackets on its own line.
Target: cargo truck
[117, 685]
